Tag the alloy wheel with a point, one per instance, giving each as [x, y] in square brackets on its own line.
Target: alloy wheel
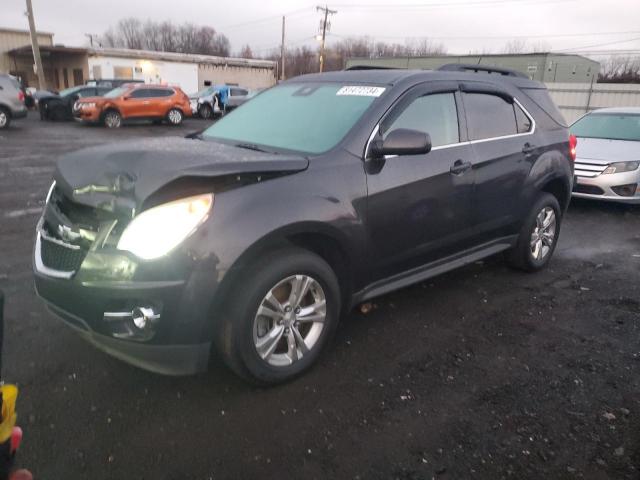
[289, 320]
[112, 120]
[3, 119]
[175, 117]
[544, 233]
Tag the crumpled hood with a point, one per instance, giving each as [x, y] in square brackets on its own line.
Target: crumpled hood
[121, 176]
[604, 151]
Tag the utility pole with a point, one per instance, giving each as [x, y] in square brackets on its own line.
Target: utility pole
[324, 26]
[282, 52]
[35, 47]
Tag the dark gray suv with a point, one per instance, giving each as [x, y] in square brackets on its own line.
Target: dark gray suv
[11, 100]
[254, 237]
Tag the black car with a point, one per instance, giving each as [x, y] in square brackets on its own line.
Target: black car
[60, 106]
[252, 239]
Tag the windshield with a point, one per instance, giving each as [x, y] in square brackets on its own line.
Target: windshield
[308, 117]
[613, 126]
[69, 91]
[115, 93]
[204, 92]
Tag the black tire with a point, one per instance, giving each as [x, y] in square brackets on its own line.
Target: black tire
[205, 111]
[522, 255]
[174, 117]
[112, 119]
[5, 118]
[234, 338]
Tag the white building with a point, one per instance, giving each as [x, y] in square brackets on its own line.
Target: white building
[190, 72]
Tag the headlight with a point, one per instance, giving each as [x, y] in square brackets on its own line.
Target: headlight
[157, 231]
[620, 167]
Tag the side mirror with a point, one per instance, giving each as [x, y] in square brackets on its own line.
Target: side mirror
[401, 141]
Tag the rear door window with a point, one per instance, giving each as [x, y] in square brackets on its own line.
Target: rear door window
[434, 114]
[489, 116]
[140, 93]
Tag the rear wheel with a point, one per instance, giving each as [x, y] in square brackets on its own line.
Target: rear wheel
[112, 119]
[281, 317]
[174, 117]
[539, 235]
[5, 118]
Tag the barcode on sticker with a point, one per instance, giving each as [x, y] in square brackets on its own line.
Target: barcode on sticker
[361, 91]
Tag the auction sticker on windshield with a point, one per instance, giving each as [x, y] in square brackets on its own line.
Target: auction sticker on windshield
[361, 91]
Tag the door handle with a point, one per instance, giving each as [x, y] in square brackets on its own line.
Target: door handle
[528, 149]
[459, 167]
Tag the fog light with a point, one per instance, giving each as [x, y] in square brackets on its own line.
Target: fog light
[625, 190]
[143, 316]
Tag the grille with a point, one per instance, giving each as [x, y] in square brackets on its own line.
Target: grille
[585, 169]
[59, 257]
[62, 248]
[79, 215]
[589, 189]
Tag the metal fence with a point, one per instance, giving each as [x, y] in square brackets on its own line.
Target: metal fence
[576, 99]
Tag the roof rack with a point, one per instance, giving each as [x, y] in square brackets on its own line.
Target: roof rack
[369, 67]
[464, 67]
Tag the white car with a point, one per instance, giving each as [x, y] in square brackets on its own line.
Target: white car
[607, 165]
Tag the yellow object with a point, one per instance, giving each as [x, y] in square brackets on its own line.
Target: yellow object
[8, 420]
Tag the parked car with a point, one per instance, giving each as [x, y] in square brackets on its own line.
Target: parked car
[111, 82]
[235, 101]
[61, 106]
[135, 101]
[608, 155]
[321, 193]
[206, 102]
[11, 100]
[217, 99]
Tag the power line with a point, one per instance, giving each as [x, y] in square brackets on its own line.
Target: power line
[266, 19]
[599, 45]
[419, 6]
[486, 37]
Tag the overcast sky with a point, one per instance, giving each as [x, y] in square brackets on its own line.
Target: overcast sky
[257, 22]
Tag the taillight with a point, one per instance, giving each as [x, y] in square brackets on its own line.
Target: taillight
[573, 143]
[21, 96]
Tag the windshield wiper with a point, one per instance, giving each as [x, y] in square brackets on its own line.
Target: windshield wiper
[252, 146]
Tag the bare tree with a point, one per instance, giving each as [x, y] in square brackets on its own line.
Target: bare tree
[517, 45]
[620, 69]
[166, 37]
[246, 52]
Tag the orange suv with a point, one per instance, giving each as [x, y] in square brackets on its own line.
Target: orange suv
[137, 101]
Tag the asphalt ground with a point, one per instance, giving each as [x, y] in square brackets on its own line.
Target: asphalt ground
[484, 372]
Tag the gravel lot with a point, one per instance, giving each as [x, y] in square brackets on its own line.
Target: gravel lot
[481, 373]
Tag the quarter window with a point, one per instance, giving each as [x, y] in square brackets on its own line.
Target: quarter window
[434, 114]
[522, 120]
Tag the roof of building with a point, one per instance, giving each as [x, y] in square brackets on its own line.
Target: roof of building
[26, 32]
[150, 55]
[483, 56]
[181, 57]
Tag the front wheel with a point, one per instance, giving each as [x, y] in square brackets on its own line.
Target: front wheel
[112, 119]
[174, 117]
[205, 111]
[539, 235]
[280, 318]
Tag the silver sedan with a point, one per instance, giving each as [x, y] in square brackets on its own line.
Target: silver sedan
[607, 165]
